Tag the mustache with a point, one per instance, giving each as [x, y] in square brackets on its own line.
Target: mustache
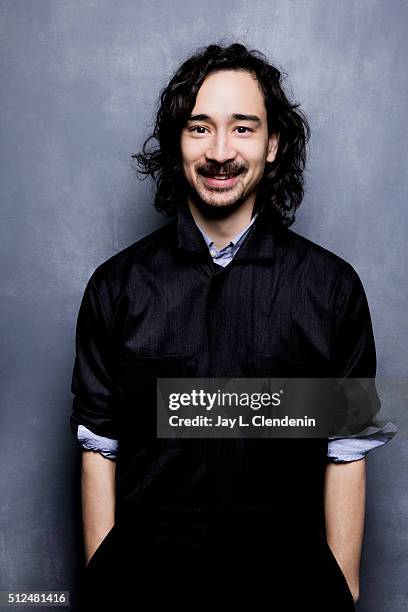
[211, 169]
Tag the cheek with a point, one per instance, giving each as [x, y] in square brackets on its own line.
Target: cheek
[192, 151]
[188, 169]
[252, 153]
[256, 165]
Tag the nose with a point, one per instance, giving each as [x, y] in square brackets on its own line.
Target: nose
[220, 150]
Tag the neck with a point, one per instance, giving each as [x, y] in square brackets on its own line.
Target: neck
[222, 230]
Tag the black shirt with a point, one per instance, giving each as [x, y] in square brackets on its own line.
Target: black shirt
[161, 307]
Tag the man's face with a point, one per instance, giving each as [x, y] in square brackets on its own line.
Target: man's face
[225, 143]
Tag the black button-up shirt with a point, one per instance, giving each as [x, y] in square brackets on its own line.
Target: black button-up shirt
[283, 306]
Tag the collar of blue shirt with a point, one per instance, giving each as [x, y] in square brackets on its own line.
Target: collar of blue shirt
[232, 247]
[259, 244]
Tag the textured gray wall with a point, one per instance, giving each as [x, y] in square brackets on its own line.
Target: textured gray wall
[79, 85]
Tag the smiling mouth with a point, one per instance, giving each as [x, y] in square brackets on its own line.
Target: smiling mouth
[221, 180]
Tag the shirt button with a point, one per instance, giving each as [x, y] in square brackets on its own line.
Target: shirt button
[213, 253]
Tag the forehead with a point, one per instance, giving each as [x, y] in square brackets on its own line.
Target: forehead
[230, 91]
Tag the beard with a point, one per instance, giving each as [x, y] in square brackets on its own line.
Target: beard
[211, 205]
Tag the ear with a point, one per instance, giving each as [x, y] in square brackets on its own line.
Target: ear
[272, 147]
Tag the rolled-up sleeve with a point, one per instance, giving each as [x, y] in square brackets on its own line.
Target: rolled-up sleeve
[89, 441]
[357, 446]
[92, 379]
[354, 355]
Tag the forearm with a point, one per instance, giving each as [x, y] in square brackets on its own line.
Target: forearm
[98, 499]
[345, 491]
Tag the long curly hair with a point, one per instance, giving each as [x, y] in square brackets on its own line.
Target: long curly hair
[281, 189]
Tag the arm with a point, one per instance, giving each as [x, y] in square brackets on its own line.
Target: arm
[93, 417]
[344, 502]
[98, 499]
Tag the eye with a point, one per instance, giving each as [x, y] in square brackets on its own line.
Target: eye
[243, 127]
[197, 127]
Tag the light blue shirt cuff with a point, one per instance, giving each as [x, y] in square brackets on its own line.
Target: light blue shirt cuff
[357, 446]
[90, 441]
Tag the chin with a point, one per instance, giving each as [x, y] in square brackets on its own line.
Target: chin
[221, 198]
[220, 203]
[218, 207]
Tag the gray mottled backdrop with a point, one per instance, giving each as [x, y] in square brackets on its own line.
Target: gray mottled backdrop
[79, 85]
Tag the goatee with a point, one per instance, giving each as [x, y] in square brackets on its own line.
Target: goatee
[214, 211]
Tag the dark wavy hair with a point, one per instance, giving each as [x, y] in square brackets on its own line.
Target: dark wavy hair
[280, 191]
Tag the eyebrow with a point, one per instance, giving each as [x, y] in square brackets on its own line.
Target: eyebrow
[234, 117]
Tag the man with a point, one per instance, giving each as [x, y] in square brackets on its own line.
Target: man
[224, 290]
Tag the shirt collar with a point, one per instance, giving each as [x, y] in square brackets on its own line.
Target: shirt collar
[235, 242]
[258, 241]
